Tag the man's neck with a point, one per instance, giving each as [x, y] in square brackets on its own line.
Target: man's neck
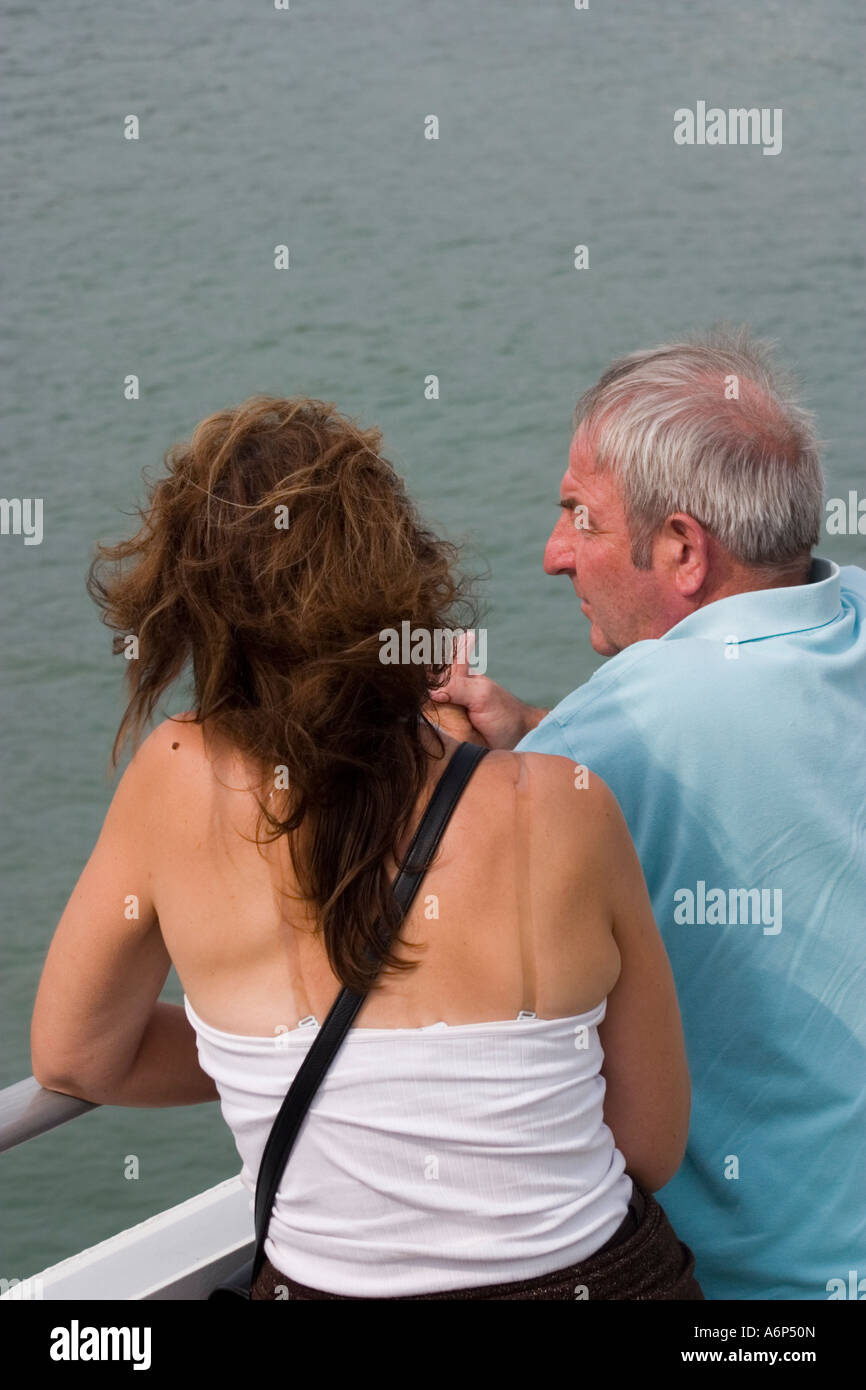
[745, 579]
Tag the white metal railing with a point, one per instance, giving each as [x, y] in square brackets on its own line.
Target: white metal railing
[181, 1253]
[27, 1109]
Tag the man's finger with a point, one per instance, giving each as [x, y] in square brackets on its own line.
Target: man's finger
[459, 690]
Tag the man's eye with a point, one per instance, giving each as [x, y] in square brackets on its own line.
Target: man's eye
[581, 519]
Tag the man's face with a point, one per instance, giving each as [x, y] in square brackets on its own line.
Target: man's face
[622, 603]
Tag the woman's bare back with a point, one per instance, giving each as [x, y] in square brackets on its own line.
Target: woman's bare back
[511, 917]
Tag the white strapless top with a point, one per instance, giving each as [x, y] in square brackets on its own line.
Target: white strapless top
[431, 1158]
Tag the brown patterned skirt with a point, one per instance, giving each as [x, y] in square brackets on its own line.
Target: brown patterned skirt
[643, 1260]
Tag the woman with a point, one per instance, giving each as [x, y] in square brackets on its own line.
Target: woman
[515, 1086]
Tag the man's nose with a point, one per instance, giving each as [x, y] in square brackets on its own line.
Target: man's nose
[559, 551]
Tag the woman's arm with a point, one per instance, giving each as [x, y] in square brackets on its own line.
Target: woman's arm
[165, 1071]
[593, 877]
[97, 1030]
[648, 1096]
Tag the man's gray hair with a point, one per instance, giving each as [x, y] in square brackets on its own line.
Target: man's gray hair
[711, 428]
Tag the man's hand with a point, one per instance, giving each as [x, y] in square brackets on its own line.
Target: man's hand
[499, 718]
[453, 720]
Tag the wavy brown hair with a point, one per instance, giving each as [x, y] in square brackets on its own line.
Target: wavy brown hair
[269, 559]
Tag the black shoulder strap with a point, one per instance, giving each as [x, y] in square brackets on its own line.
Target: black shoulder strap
[345, 1008]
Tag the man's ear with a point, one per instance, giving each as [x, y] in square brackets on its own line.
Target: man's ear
[685, 553]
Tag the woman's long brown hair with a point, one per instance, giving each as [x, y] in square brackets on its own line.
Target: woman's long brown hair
[269, 559]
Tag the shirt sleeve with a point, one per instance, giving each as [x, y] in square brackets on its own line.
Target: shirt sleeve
[610, 725]
[546, 737]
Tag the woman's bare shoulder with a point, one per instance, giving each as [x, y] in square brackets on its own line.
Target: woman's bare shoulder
[572, 809]
[566, 802]
[171, 762]
[177, 733]
[562, 783]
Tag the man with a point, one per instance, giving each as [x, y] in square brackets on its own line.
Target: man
[730, 723]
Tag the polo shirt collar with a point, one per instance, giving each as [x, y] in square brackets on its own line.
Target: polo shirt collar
[768, 612]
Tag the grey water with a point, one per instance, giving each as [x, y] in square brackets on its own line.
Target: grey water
[408, 257]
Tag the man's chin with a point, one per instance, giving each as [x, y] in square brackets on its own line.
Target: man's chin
[600, 643]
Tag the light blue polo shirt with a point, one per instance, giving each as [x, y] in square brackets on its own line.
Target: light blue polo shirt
[736, 747]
